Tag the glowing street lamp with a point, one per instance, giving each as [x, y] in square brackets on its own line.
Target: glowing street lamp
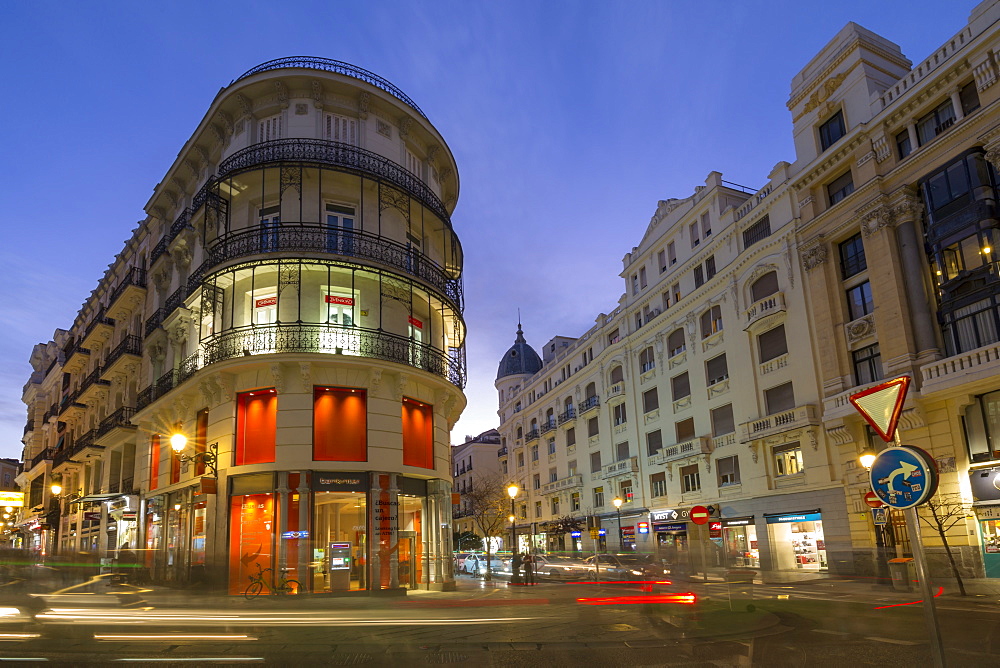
[178, 442]
[515, 573]
[618, 509]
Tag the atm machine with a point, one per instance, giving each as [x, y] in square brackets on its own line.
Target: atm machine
[338, 566]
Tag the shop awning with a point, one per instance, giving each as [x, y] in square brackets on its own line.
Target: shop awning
[90, 498]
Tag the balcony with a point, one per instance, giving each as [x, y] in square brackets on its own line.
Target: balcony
[85, 448]
[98, 331]
[615, 390]
[724, 440]
[570, 414]
[128, 295]
[126, 354]
[569, 482]
[93, 386]
[42, 456]
[116, 428]
[70, 408]
[779, 362]
[624, 467]
[839, 405]
[532, 435]
[548, 426]
[28, 427]
[502, 452]
[154, 321]
[702, 445]
[762, 308]
[801, 416]
[976, 367]
[588, 404]
[76, 357]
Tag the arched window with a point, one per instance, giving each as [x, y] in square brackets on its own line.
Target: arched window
[646, 359]
[534, 424]
[520, 433]
[711, 321]
[675, 342]
[764, 286]
[591, 390]
[617, 375]
[568, 404]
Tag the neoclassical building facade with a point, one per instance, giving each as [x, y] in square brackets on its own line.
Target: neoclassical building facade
[292, 305]
[749, 317]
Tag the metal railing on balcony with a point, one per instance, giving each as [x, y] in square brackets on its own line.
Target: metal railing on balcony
[120, 418]
[41, 457]
[28, 426]
[548, 426]
[532, 435]
[154, 321]
[99, 319]
[587, 404]
[502, 452]
[136, 276]
[337, 67]
[130, 345]
[93, 378]
[566, 416]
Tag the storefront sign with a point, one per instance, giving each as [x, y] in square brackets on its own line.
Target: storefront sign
[810, 516]
[129, 516]
[985, 484]
[738, 521]
[643, 527]
[416, 323]
[266, 301]
[987, 512]
[682, 514]
[92, 517]
[15, 499]
[295, 534]
[207, 485]
[628, 531]
[339, 482]
[664, 526]
[715, 526]
[343, 301]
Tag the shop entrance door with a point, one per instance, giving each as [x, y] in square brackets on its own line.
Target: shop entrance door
[990, 530]
[407, 553]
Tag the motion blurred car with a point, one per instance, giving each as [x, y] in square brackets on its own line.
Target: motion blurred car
[475, 564]
[625, 567]
[559, 567]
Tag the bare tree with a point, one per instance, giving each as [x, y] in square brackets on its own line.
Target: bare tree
[942, 513]
[489, 507]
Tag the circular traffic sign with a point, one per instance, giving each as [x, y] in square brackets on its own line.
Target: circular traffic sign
[904, 476]
[871, 498]
[699, 514]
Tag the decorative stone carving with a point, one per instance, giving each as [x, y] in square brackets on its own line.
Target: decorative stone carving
[400, 387]
[859, 329]
[210, 390]
[203, 154]
[445, 173]
[405, 123]
[760, 270]
[226, 121]
[281, 94]
[245, 107]
[278, 376]
[985, 73]
[374, 380]
[364, 103]
[813, 253]
[880, 147]
[813, 441]
[806, 202]
[753, 446]
[993, 155]
[912, 418]
[305, 376]
[317, 94]
[877, 219]
[218, 134]
[839, 434]
[179, 334]
[432, 154]
[301, 108]
[823, 93]
[906, 207]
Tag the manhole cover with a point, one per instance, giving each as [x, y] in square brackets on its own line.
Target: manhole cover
[446, 657]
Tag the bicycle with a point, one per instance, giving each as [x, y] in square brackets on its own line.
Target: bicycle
[257, 584]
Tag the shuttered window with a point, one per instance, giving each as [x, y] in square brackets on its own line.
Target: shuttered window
[722, 420]
[650, 400]
[716, 369]
[681, 386]
[341, 128]
[595, 462]
[779, 399]
[269, 128]
[413, 164]
[654, 442]
[772, 343]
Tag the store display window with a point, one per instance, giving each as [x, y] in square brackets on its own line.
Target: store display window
[797, 541]
[251, 522]
[740, 540]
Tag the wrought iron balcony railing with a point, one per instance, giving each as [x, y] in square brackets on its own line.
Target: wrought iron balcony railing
[566, 416]
[336, 66]
[305, 238]
[120, 418]
[338, 155]
[136, 276]
[41, 457]
[588, 403]
[130, 345]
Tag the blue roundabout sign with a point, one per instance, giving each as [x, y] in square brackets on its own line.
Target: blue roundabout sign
[904, 476]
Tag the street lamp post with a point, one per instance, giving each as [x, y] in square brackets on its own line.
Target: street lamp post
[515, 573]
[210, 458]
[867, 458]
[618, 509]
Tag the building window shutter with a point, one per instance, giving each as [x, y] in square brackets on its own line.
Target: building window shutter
[772, 343]
[269, 128]
[340, 427]
[341, 129]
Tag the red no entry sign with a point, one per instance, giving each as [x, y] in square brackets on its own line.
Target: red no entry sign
[871, 498]
[699, 514]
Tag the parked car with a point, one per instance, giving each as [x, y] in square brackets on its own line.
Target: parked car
[475, 564]
[625, 567]
[460, 558]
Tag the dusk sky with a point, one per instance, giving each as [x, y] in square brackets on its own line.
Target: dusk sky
[568, 120]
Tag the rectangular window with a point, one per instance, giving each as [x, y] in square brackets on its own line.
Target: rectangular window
[269, 128]
[553, 475]
[635, 284]
[936, 122]
[571, 436]
[154, 461]
[779, 399]
[787, 459]
[706, 224]
[552, 446]
[840, 187]
[654, 442]
[598, 497]
[593, 427]
[256, 414]
[418, 434]
[675, 290]
[595, 462]
[699, 276]
[534, 453]
[759, 231]
[413, 164]
[658, 484]
[716, 369]
[969, 97]
[867, 365]
[672, 253]
[341, 129]
[693, 233]
[175, 466]
[680, 386]
[574, 501]
[709, 267]
[661, 261]
[949, 186]
[771, 344]
[520, 460]
[555, 506]
[340, 425]
[621, 452]
[690, 478]
[685, 430]
[903, 144]
[722, 420]
[859, 300]
[642, 277]
[613, 337]
[832, 130]
[619, 414]
[536, 481]
[852, 257]
[538, 508]
[650, 400]
[729, 470]
[572, 467]
[647, 359]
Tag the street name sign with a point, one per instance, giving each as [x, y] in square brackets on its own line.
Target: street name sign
[904, 476]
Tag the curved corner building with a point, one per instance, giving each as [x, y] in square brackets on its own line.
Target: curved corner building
[302, 328]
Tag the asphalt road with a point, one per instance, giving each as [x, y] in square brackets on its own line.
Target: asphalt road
[835, 624]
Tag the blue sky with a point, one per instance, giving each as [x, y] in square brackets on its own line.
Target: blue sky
[569, 121]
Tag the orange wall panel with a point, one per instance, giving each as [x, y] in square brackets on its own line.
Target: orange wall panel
[154, 462]
[418, 434]
[256, 422]
[340, 425]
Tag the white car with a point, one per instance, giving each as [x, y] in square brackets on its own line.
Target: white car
[475, 564]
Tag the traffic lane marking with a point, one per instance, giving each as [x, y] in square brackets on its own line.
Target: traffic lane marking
[891, 640]
[833, 633]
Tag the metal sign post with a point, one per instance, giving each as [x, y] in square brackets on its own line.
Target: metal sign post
[930, 609]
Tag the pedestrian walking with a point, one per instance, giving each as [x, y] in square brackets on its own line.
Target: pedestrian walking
[529, 569]
[515, 566]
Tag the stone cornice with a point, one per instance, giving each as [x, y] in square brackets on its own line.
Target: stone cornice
[847, 50]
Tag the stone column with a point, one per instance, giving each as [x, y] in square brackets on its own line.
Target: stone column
[914, 262]
[956, 103]
[911, 131]
[282, 491]
[305, 505]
